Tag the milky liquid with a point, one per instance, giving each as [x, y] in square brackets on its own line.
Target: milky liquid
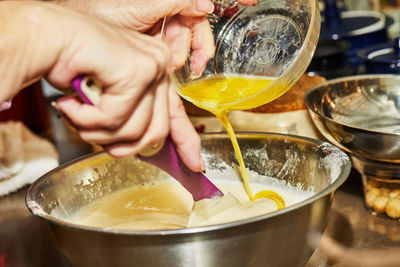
[160, 205]
[167, 205]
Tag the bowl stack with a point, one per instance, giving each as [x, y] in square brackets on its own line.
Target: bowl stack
[361, 114]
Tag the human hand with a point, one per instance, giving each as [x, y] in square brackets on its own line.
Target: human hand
[133, 111]
[186, 27]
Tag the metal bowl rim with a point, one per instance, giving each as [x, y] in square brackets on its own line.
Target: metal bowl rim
[308, 102]
[345, 171]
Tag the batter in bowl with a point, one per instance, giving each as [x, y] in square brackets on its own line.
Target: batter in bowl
[167, 205]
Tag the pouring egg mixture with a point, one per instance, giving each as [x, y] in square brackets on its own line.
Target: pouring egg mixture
[167, 205]
[219, 95]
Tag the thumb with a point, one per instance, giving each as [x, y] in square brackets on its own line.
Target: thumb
[194, 7]
[189, 8]
[183, 134]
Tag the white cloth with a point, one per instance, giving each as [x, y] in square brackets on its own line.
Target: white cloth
[24, 157]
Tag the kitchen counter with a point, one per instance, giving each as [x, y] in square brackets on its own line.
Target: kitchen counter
[354, 226]
[26, 240]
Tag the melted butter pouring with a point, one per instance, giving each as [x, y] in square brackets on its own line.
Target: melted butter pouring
[219, 95]
[166, 204]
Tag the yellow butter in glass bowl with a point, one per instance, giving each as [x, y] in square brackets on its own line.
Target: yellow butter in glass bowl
[260, 52]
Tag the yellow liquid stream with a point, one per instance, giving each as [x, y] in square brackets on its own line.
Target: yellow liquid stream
[221, 94]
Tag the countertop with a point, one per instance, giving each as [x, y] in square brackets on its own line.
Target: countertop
[27, 241]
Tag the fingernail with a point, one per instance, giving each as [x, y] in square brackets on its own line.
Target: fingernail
[5, 105]
[151, 149]
[205, 6]
[54, 105]
[203, 166]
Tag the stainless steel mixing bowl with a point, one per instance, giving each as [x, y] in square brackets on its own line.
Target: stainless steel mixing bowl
[276, 239]
[361, 115]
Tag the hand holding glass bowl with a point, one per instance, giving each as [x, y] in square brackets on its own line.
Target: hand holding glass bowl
[260, 52]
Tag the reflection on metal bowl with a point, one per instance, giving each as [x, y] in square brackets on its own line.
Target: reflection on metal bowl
[275, 239]
[361, 115]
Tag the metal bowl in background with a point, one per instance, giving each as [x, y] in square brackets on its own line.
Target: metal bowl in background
[276, 239]
[361, 115]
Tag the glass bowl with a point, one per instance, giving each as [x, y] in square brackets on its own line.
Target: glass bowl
[274, 39]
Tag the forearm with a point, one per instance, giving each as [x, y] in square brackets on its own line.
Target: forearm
[25, 50]
[82, 6]
[120, 12]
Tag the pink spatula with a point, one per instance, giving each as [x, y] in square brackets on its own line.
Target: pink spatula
[196, 183]
[166, 158]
